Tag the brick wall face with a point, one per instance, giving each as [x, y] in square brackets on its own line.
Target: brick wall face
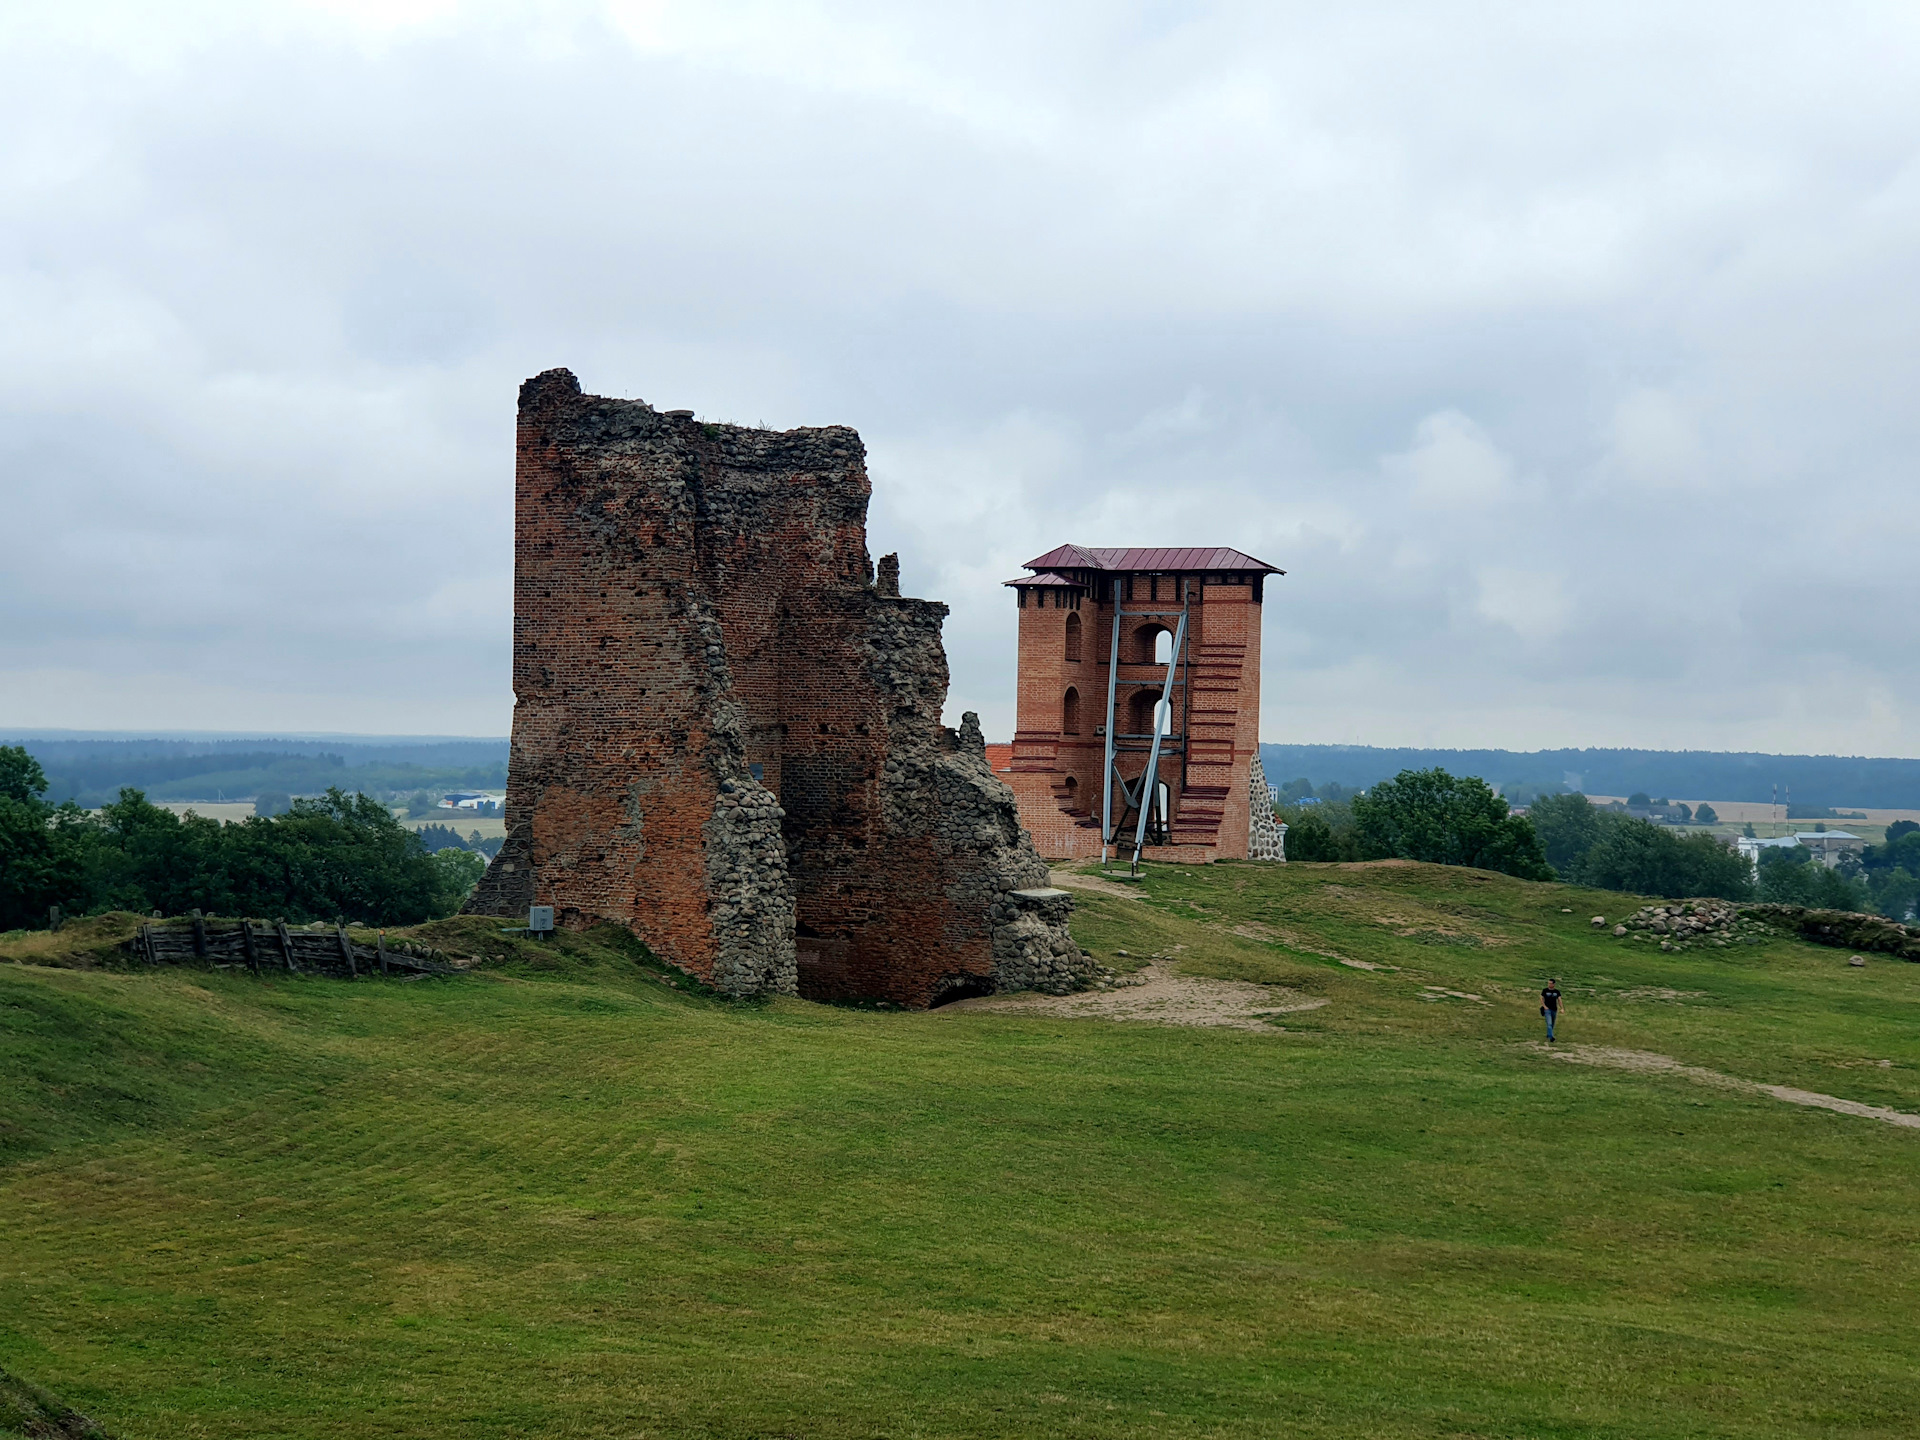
[725, 737]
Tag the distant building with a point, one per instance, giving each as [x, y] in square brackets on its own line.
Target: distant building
[1827, 846]
[468, 800]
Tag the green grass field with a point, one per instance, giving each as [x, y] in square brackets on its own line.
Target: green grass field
[559, 1198]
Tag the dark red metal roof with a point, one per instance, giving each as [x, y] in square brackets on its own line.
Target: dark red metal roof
[1190, 559]
[1040, 580]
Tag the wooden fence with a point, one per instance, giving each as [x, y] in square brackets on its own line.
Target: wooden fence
[262, 946]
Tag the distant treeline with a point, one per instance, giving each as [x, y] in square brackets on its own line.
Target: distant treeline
[1815, 780]
[92, 773]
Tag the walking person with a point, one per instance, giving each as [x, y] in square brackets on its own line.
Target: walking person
[1550, 1006]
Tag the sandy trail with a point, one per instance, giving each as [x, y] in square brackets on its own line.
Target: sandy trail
[1159, 996]
[1073, 880]
[1648, 1063]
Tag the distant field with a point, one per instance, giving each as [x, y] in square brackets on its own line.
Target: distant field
[212, 810]
[558, 1197]
[1770, 819]
[491, 827]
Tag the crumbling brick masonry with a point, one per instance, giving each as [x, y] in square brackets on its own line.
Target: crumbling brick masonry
[727, 735]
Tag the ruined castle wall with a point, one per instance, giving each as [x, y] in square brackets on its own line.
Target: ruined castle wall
[725, 736]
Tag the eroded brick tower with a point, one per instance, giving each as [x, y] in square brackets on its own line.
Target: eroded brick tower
[1168, 640]
[726, 730]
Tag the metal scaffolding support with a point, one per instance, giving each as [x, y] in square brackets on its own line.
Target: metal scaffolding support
[1144, 795]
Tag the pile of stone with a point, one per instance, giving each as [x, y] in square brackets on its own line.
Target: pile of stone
[1032, 949]
[1683, 924]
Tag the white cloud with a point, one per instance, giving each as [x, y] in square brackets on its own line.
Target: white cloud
[1654, 438]
[1531, 603]
[1452, 464]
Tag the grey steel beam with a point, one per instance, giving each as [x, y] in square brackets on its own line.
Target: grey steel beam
[1107, 827]
[1150, 780]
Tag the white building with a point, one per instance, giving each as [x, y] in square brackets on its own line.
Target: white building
[1827, 846]
[469, 800]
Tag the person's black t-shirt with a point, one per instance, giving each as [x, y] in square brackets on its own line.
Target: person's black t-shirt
[1551, 997]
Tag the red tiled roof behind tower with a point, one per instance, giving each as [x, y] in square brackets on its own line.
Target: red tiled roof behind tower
[1000, 757]
[1188, 559]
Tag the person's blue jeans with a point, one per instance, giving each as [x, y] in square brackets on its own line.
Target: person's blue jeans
[1552, 1015]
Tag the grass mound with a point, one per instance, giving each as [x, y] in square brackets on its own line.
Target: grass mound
[28, 1411]
[561, 1196]
[81, 943]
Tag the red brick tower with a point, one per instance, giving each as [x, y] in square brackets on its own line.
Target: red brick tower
[1183, 700]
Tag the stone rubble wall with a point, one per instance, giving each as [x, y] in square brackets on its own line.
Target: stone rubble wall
[1031, 947]
[1266, 836]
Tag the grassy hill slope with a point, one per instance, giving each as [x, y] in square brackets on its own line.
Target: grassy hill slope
[561, 1197]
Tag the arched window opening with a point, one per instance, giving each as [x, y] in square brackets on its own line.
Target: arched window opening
[1146, 644]
[1071, 786]
[1162, 648]
[1073, 637]
[1070, 712]
[1143, 711]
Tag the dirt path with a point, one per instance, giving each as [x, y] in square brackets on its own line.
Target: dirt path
[1648, 1063]
[1159, 996]
[1073, 880]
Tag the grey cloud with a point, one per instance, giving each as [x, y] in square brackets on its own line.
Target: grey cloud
[1565, 360]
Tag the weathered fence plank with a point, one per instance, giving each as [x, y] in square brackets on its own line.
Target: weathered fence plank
[304, 952]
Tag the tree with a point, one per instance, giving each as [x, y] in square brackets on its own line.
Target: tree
[337, 855]
[1633, 854]
[418, 804]
[1706, 815]
[1567, 826]
[1787, 877]
[1320, 832]
[272, 802]
[1639, 800]
[1430, 815]
[21, 777]
[1900, 851]
[1899, 829]
[1747, 831]
[38, 865]
[441, 837]
[1894, 893]
[458, 871]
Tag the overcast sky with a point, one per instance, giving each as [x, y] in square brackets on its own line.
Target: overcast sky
[1565, 356]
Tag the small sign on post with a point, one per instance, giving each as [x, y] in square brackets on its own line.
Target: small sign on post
[540, 919]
